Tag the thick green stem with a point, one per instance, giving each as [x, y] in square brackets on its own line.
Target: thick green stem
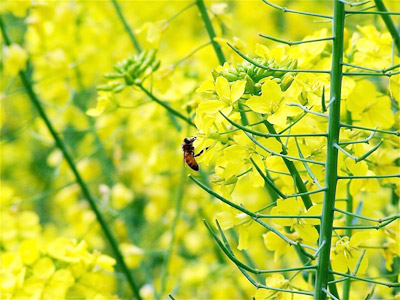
[210, 31]
[126, 26]
[322, 276]
[84, 188]
[389, 23]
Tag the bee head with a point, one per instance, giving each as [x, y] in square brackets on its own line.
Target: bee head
[189, 140]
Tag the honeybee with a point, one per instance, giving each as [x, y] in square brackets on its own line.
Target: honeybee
[188, 153]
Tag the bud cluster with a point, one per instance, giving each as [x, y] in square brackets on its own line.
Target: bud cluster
[253, 74]
[132, 70]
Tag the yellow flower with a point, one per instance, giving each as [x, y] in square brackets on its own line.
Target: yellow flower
[121, 196]
[368, 108]
[304, 227]
[152, 31]
[346, 253]
[275, 281]
[29, 251]
[269, 101]
[133, 255]
[232, 218]
[106, 102]
[15, 59]
[373, 49]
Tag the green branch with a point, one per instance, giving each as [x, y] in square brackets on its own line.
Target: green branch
[274, 69]
[254, 216]
[244, 266]
[287, 10]
[389, 23]
[84, 188]
[294, 42]
[370, 129]
[268, 135]
[388, 284]
[289, 157]
[252, 281]
[369, 176]
[210, 31]
[166, 106]
[126, 26]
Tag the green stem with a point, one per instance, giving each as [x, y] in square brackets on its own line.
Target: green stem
[166, 106]
[322, 274]
[210, 31]
[84, 188]
[126, 26]
[389, 23]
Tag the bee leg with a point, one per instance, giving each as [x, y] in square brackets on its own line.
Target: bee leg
[201, 152]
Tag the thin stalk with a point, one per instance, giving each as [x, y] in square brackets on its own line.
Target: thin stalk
[370, 69]
[366, 140]
[370, 129]
[294, 42]
[268, 135]
[180, 12]
[356, 12]
[84, 188]
[329, 294]
[349, 221]
[261, 216]
[284, 9]
[190, 54]
[166, 106]
[348, 213]
[354, 3]
[289, 157]
[307, 110]
[252, 281]
[251, 214]
[388, 74]
[294, 123]
[126, 26]
[369, 176]
[274, 69]
[292, 170]
[246, 267]
[388, 284]
[379, 226]
[389, 23]
[267, 180]
[309, 171]
[211, 32]
[332, 154]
